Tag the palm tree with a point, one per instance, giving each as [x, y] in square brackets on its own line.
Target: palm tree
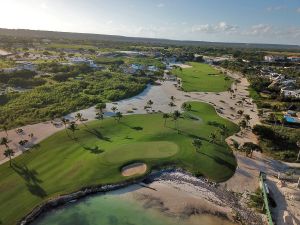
[79, 117]
[8, 153]
[176, 116]
[243, 125]
[65, 122]
[298, 144]
[73, 127]
[249, 147]
[240, 112]
[165, 116]
[101, 107]
[197, 144]
[114, 109]
[212, 137]
[272, 118]
[119, 116]
[150, 103]
[247, 118]
[223, 132]
[5, 130]
[100, 116]
[4, 141]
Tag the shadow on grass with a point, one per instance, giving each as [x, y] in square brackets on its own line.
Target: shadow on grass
[31, 179]
[137, 128]
[94, 150]
[219, 161]
[98, 134]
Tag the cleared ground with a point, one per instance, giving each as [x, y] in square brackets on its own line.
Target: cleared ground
[202, 77]
[61, 164]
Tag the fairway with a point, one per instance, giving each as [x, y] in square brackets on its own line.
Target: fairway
[61, 164]
[202, 78]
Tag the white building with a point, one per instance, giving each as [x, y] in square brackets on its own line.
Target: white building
[273, 58]
[294, 58]
[290, 93]
[152, 68]
[83, 60]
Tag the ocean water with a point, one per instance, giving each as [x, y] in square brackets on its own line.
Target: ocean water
[114, 209]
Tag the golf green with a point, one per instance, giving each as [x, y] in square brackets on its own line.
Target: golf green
[61, 164]
[203, 78]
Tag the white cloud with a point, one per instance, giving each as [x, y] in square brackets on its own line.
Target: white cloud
[160, 5]
[260, 29]
[215, 28]
[276, 8]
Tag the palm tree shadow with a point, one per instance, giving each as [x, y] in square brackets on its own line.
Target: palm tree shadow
[31, 179]
[94, 150]
[220, 161]
[98, 134]
[137, 128]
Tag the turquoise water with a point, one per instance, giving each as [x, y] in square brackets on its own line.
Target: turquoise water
[115, 209]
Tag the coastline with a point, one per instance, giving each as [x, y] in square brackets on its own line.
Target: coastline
[201, 197]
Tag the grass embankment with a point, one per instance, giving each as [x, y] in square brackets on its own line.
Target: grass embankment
[62, 165]
[202, 77]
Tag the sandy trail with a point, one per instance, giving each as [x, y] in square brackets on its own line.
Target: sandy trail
[159, 94]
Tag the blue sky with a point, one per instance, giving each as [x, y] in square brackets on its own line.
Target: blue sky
[255, 21]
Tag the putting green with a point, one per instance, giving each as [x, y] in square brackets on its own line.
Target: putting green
[141, 150]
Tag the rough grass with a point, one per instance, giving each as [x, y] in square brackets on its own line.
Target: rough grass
[60, 164]
[202, 77]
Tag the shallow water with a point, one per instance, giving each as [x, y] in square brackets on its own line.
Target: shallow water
[115, 208]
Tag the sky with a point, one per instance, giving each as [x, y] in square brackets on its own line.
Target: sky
[247, 21]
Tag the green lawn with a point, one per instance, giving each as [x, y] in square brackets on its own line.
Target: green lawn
[61, 165]
[202, 77]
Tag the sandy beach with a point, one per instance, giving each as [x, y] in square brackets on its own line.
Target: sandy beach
[181, 195]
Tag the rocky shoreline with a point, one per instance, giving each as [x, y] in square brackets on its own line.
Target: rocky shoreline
[218, 195]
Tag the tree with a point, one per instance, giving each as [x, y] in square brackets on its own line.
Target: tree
[240, 112]
[114, 109]
[243, 124]
[298, 144]
[99, 116]
[165, 116]
[212, 137]
[247, 118]
[8, 153]
[65, 122]
[150, 103]
[119, 116]
[4, 141]
[171, 104]
[272, 118]
[249, 147]
[79, 117]
[5, 130]
[176, 116]
[197, 143]
[186, 107]
[73, 127]
[223, 132]
[100, 107]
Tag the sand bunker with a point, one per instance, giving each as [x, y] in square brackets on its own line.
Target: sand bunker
[134, 169]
